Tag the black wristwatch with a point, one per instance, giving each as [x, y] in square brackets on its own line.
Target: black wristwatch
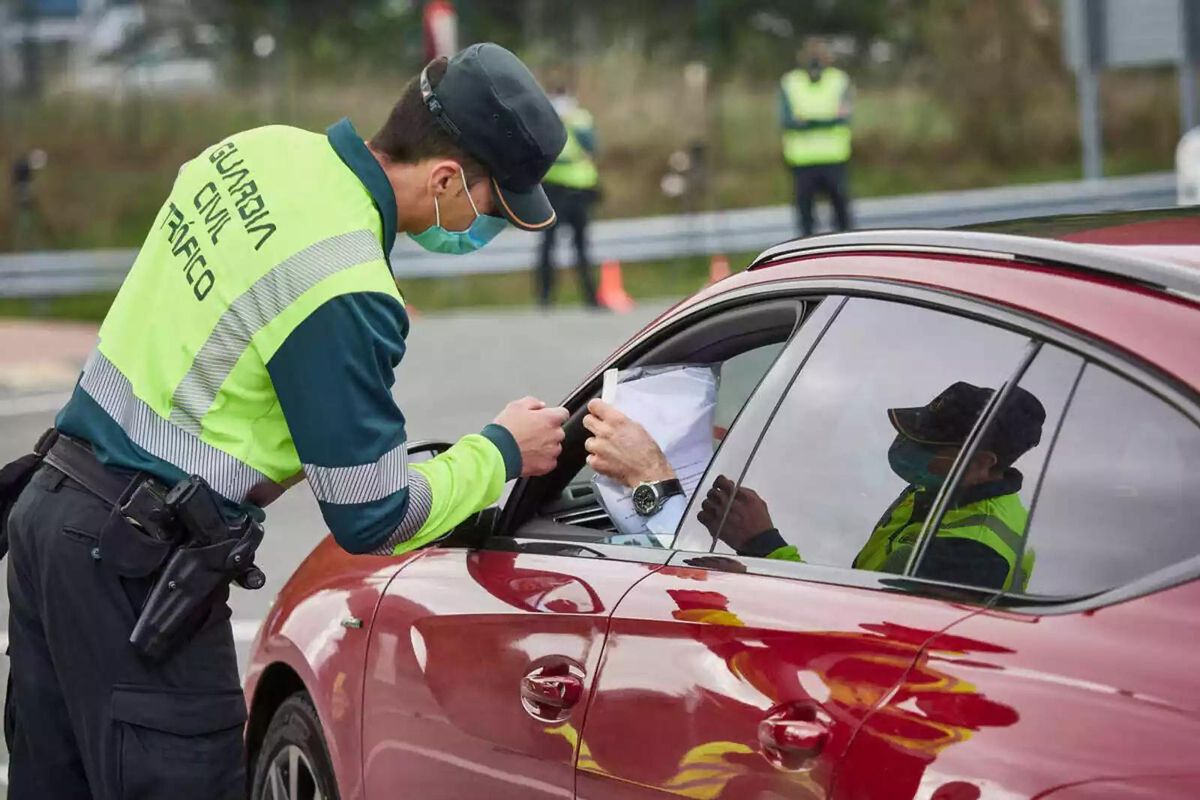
[648, 498]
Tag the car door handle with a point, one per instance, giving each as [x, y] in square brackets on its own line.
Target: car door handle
[555, 691]
[793, 735]
[549, 692]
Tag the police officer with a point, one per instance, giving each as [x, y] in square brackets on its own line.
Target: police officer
[253, 345]
[571, 185]
[815, 101]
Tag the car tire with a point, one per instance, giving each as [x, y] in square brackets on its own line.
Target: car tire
[295, 746]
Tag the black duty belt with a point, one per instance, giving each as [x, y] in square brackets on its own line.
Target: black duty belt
[76, 460]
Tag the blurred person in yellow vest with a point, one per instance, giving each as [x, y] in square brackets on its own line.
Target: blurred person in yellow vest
[815, 101]
[572, 184]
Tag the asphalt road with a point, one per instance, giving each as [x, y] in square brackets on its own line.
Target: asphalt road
[459, 372]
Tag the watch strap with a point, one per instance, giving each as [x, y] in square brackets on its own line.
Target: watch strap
[670, 488]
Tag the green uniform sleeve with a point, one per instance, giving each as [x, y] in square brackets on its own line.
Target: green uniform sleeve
[465, 479]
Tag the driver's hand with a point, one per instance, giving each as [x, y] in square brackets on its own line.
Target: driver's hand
[621, 449]
[736, 514]
[538, 431]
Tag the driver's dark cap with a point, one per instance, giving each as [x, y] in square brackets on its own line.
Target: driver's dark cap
[491, 105]
[949, 418]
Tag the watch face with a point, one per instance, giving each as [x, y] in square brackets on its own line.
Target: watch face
[645, 500]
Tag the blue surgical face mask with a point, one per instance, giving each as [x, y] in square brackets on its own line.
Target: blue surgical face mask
[437, 239]
[910, 460]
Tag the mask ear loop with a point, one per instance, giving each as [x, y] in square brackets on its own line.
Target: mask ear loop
[462, 174]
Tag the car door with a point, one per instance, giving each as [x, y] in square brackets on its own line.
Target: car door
[478, 667]
[1086, 682]
[732, 676]
[481, 661]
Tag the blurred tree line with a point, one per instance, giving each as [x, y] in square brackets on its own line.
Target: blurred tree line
[952, 94]
[995, 65]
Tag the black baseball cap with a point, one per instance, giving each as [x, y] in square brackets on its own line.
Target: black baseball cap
[948, 419]
[490, 103]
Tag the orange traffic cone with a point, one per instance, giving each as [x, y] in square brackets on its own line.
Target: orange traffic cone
[611, 293]
[718, 268]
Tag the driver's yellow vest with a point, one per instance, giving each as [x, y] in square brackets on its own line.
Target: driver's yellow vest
[258, 232]
[998, 523]
[819, 102]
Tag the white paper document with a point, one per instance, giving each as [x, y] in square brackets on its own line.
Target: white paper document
[675, 405]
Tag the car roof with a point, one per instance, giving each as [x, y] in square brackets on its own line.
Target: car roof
[1159, 249]
[1139, 298]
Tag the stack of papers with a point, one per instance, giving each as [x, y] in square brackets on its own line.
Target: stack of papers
[676, 406]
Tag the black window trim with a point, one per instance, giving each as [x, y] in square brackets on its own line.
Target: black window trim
[785, 369]
[1145, 376]
[667, 327]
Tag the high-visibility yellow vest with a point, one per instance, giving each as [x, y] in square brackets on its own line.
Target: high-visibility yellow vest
[257, 233]
[816, 102]
[996, 522]
[574, 167]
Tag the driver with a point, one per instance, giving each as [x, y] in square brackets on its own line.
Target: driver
[980, 538]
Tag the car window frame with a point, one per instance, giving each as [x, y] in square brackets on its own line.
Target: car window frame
[1040, 330]
[650, 339]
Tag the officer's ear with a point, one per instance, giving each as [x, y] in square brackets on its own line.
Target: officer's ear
[445, 178]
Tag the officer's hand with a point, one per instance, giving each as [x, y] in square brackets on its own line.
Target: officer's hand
[737, 516]
[621, 449]
[538, 431]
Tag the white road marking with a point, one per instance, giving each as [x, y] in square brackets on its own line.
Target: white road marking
[32, 404]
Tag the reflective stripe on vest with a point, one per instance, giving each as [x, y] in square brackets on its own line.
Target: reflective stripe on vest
[574, 167]
[112, 391]
[818, 101]
[257, 233]
[253, 309]
[364, 483]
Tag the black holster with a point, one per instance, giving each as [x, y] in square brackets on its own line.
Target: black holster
[186, 584]
[212, 551]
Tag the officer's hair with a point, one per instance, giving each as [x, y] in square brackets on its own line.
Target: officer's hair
[411, 134]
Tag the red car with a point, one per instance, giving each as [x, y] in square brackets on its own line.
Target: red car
[534, 655]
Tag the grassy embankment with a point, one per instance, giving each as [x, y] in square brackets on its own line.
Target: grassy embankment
[112, 161]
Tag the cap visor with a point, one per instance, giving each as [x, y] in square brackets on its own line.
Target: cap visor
[906, 421]
[912, 423]
[530, 211]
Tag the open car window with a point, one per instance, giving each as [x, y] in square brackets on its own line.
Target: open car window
[741, 344]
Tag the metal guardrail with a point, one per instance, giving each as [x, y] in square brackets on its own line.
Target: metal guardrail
[46, 274]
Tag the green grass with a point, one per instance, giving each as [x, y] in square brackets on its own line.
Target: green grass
[671, 279]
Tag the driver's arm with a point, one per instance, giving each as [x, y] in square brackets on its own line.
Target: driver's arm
[621, 449]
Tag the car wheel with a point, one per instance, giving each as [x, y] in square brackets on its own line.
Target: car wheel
[293, 763]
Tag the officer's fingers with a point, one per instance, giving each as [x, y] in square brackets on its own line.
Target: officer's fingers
[556, 416]
[529, 403]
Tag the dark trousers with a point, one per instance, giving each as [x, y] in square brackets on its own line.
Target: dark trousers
[85, 716]
[571, 205]
[832, 180]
